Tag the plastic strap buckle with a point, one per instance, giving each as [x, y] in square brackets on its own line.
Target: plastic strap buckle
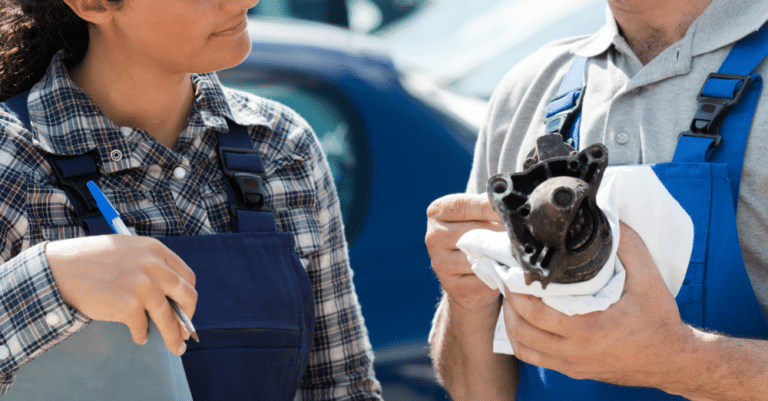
[74, 172]
[718, 95]
[249, 184]
[564, 115]
[81, 169]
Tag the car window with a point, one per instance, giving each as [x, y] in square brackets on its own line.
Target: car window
[339, 134]
[358, 15]
[327, 11]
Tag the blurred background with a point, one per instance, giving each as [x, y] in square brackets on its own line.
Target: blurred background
[396, 91]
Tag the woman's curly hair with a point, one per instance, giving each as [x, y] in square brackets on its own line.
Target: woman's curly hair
[31, 32]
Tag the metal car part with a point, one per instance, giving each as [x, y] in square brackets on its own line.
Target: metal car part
[558, 233]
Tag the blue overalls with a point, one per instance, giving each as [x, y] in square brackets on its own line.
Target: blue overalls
[255, 309]
[704, 178]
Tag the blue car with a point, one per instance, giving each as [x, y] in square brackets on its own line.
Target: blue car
[394, 145]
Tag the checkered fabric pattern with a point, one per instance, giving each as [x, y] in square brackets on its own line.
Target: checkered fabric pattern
[138, 177]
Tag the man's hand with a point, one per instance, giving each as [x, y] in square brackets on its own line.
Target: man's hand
[631, 343]
[462, 337]
[121, 278]
[449, 218]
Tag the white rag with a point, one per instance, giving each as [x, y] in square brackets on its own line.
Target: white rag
[633, 195]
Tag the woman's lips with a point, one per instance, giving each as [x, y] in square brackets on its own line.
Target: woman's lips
[237, 28]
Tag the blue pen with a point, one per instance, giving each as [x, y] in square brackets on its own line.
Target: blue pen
[114, 220]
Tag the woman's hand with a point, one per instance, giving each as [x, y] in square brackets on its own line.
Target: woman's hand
[119, 277]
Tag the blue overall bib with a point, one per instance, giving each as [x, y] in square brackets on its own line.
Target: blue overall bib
[704, 178]
[255, 309]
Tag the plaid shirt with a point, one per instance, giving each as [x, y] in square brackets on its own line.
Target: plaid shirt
[138, 177]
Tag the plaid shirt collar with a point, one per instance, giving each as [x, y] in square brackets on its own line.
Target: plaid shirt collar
[67, 122]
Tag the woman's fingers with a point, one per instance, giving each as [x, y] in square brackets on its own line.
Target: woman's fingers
[124, 278]
[135, 317]
[161, 312]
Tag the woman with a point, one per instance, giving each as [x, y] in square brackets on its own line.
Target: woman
[127, 84]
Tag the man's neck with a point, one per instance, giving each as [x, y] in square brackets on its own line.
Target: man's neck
[651, 26]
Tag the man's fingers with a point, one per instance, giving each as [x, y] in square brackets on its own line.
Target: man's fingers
[635, 257]
[537, 313]
[445, 235]
[462, 207]
[522, 331]
[467, 287]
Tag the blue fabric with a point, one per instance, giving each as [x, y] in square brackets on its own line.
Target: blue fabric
[722, 88]
[97, 225]
[716, 293]
[693, 149]
[731, 149]
[255, 220]
[255, 316]
[729, 304]
[747, 53]
[243, 161]
[73, 167]
[563, 103]
[734, 130]
[575, 130]
[571, 88]
[237, 137]
[743, 58]
[241, 158]
[574, 78]
[18, 105]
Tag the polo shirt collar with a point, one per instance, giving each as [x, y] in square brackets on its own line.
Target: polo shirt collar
[709, 32]
[724, 22]
[601, 41]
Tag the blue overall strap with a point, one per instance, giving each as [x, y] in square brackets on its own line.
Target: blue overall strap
[73, 172]
[727, 103]
[245, 175]
[564, 110]
[18, 105]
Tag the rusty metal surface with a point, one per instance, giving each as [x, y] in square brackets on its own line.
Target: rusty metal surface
[558, 233]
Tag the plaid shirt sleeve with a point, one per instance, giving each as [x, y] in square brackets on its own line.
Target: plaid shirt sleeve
[341, 360]
[33, 316]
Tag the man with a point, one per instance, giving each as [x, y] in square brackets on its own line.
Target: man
[644, 71]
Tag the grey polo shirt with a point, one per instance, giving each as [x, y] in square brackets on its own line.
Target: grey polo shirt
[637, 111]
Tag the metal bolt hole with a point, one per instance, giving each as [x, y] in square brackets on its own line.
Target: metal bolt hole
[500, 187]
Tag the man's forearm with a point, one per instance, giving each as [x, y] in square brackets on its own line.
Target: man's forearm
[462, 354]
[717, 367]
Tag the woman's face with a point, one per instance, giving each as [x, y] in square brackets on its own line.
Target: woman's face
[180, 36]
